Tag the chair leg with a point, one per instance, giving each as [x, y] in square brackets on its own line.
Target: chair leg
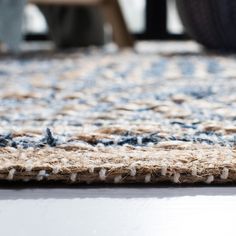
[113, 14]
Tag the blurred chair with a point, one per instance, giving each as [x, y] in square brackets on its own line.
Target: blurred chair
[112, 12]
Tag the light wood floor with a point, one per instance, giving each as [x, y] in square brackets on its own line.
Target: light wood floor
[118, 211]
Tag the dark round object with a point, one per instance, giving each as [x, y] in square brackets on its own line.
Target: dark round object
[71, 26]
[210, 22]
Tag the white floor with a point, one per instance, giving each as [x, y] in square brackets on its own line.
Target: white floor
[118, 211]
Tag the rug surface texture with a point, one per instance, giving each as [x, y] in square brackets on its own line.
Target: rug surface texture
[98, 116]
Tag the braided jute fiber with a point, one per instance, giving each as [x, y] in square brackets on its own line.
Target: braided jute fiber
[99, 116]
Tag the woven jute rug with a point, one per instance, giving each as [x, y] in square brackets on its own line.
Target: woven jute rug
[96, 116]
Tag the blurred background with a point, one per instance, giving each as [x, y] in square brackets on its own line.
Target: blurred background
[81, 23]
